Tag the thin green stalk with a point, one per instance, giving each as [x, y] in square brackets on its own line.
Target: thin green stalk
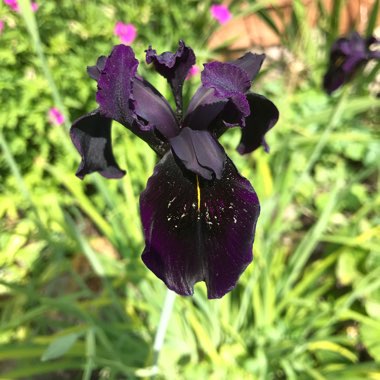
[14, 168]
[31, 25]
[161, 330]
[20, 181]
[336, 114]
[335, 117]
[90, 355]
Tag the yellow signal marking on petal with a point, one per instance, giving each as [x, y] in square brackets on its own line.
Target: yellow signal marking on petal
[198, 193]
[339, 62]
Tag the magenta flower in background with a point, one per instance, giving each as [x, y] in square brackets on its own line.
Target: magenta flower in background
[55, 116]
[220, 13]
[1, 26]
[126, 32]
[194, 70]
[13, 4]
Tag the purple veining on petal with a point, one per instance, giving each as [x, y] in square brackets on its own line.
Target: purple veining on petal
[225, 78]
[189, 239]
[229, 82]
[132, 101]
[115, 85]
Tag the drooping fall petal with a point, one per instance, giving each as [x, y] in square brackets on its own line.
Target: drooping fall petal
[198, 230]
[264, 115]
[91, 135]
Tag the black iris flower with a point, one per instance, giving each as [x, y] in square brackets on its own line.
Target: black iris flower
[347, 56]
[198, 213]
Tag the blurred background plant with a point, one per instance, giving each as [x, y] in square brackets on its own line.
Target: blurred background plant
[76, 302]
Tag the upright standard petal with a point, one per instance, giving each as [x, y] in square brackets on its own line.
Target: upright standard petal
[133, 102]
[91, 135]
[115, 83]
[250, 63]
[229, 82]
[199, 152]
[204, 107]
[264, 115]
[212, 99]
[174, 67]
[198, 230]
[151, 106]
[94, 71]
[144, 101]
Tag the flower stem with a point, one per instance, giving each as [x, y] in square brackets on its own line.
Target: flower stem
[32, 27]
[161, 330]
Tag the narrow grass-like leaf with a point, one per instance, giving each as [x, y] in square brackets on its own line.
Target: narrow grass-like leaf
[59, 347]
[373, 15]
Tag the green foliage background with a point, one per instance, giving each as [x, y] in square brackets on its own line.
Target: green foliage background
[76, 300]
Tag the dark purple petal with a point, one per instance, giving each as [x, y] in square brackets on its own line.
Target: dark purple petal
[115, 83]
[250, 63]
[199, 152]
[205, 106]
[333, 79]
[91, 135]
[94, 71]
[198, 232]
[132, 101]
[264, 115]
[226, 79]
[174, 67]
[229, 82]
[349, 45]
[151, 106]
